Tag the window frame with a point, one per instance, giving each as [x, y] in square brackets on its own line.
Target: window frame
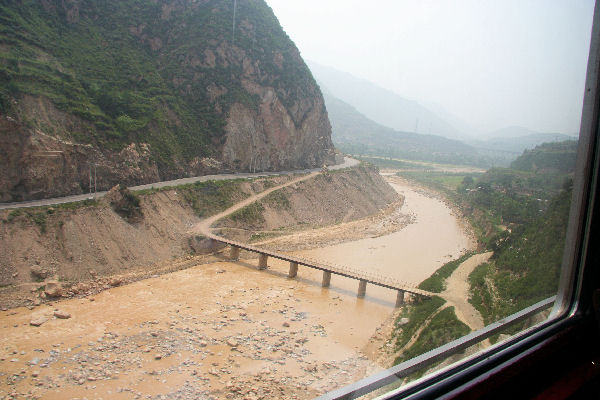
[574, 307]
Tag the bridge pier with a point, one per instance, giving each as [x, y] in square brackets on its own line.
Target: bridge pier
[362, 288]
[293, 269]
[235, 253]
[326, 279]
[262, 261]
[400, 298]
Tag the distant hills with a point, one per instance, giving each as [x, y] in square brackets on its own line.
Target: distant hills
[557, 158]
[354, 133]
[508, 143]
[383, 106]
[367, 119]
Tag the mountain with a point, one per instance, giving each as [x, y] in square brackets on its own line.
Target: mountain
[354, 133]
[508, 143]
[150, 90]
[383, 106]
[558, 157]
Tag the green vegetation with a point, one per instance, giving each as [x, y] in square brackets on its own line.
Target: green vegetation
[519, 214]
[127, 205]
[444, 327]
[211, 197]
[549, 157]
[128, 71]
[417, 314]
[39, 215]
[436, 283]
[525, 267]
[353, 133]
[439, 180]
[39, 218]
[382, 162]
[250, 215]
[278, 200]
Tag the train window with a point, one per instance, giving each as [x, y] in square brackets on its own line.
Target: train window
[280, 199]
[535, 305]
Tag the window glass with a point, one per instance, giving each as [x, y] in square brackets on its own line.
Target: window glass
[280, 199]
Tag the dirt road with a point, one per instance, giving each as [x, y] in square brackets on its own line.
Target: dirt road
[457, 291]
[203, 227]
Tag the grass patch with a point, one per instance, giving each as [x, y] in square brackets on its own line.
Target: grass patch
[438, 180]
[211, 197]
[443, 328]
[260, 236]
[436, 283]
[391, 163]
[278, 200]
[250, 215]
[417, 314]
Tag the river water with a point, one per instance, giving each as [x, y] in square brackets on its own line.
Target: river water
[282, 337]
[411, 254]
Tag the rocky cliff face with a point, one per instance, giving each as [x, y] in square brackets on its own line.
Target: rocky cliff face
[148, 91]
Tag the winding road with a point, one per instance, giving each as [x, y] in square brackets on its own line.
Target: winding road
[348, 162]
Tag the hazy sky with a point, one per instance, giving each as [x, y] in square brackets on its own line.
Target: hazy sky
[491, 63]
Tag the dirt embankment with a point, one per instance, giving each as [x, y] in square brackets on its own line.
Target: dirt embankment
[90, 242]
[350, 195]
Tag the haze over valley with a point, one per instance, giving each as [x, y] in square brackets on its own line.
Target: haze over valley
[189, 209]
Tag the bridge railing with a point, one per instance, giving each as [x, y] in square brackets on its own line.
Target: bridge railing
[361, 275]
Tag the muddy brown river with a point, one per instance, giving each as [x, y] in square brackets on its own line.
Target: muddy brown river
[226, 330]
[411, 254]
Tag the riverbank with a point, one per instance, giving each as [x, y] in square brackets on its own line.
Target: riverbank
[212, 330]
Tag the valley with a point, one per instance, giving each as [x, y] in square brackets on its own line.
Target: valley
[220, 328]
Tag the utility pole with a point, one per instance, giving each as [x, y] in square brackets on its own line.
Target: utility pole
[90, 179]
[94, 180]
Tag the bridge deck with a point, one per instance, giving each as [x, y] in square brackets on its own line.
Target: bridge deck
[374, 279]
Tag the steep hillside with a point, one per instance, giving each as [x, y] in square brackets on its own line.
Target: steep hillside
[76, 242]
[149, 90]
[354, 133]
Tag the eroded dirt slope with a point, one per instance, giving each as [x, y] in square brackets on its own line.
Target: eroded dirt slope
[72, 245]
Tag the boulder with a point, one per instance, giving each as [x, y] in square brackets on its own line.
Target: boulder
[53, 289]
[39, 272]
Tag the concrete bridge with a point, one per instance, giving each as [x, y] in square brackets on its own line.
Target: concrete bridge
[362, 277]
[204, 227]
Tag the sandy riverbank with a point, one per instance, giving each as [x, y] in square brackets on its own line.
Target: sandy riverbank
[217, 330]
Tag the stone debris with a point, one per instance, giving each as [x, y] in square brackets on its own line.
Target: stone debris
[62, 314]
[53, 289]
[39, 320]
[39, 272]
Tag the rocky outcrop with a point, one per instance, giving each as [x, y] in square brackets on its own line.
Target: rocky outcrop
[159, 91]
[268, 139]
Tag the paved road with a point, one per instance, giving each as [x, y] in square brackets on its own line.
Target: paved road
[348, 162]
